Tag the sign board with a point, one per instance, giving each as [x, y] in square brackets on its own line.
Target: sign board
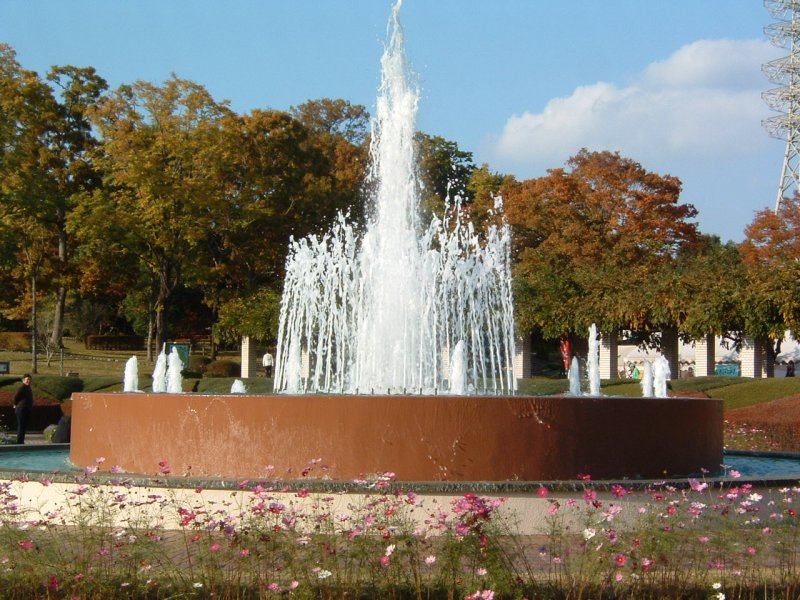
[727, 369]
[183, 351]
[5, 367]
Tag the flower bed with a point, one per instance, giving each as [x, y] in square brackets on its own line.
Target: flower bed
[267, 540]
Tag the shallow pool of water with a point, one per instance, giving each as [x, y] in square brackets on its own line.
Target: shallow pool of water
[47, 459]
[44, 458]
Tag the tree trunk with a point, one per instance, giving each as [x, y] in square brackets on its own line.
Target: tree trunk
[162, 303]
[58, 318]
[61, 295]
[150, 333]
[34, 367]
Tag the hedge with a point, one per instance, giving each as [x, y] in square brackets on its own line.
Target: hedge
[114, 342]
[15, 340]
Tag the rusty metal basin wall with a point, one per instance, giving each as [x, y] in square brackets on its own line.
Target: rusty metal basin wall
[419, 438]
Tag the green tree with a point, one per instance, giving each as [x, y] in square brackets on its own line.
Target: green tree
[711, 289]
[444, 171]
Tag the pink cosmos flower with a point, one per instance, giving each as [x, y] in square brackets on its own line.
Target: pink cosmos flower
[274, 587]
[293, 585]
[385, 560]
[620, 560]
[696, 485]
[618, 491]
[542, 492]
[163, 467]
[751, 551]
[244, 552]
[26, 544]
[429, 560]
[214, 547]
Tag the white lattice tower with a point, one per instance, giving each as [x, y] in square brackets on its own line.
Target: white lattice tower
[785, 71]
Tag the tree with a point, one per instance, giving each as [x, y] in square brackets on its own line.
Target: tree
[711, 289]
[45, 167]
[445, 172]
[282, 176]
[771, 255]
[160, 153]
[592, 245]
[484, 188]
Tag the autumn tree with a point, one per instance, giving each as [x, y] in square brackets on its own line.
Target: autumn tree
[45, 163]
[592, 244]
[159, 154]
[771, 255]
[484, 190]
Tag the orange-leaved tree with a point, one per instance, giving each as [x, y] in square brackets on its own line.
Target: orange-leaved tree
[597, 243]
[771, 255]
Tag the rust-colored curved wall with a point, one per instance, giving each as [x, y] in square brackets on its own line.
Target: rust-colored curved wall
[419, 438]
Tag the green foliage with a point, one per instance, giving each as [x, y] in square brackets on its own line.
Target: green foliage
[223, 368]
[255, 315]
[444, 171]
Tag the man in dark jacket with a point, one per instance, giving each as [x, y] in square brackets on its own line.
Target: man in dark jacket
[23, 403]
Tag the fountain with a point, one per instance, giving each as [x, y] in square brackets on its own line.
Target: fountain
[174, 376]
[160, 373]
[382, 312]
[574, 376]
[647, 380]
[396, 353]
[130, 381]
[661, 375]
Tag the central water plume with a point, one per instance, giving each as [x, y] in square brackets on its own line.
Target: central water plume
[385, 312]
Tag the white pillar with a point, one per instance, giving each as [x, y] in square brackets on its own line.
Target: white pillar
[609, 356]
[249, 359]
[751, 357]
[705, 350]
[522, 357]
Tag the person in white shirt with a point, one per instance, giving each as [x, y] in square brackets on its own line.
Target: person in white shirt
[267, 362]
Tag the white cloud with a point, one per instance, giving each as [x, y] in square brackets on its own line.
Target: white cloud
[702, 103]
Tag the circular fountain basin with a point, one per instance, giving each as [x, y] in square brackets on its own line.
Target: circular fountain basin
[418, 438]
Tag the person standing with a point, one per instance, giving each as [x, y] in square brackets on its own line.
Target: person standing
[267, 361]
[23, 404]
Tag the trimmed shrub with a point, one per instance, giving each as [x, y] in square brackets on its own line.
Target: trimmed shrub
[106, 384]
[15, 340]
[197, 366]
[114, 342]
[55, 387]
[223, 368]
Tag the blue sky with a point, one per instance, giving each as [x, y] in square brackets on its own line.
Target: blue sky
[522, 84]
